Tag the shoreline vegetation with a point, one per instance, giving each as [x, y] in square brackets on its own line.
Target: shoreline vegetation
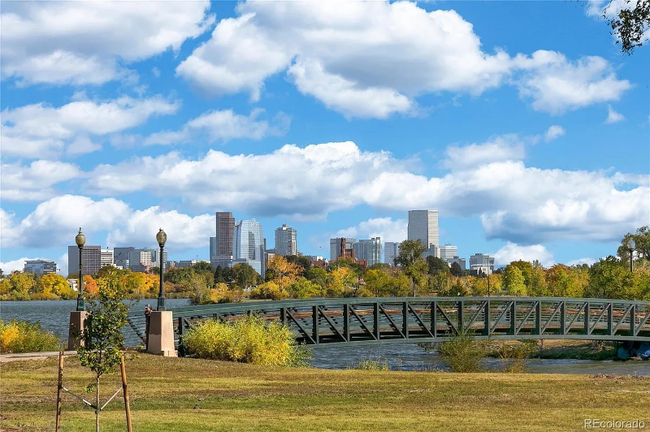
[184, 394]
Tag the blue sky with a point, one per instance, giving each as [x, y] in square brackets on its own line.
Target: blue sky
[521, 122]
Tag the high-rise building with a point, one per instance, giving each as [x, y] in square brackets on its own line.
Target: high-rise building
[213, 247]
[155, 257]
[41, 266]
[461, 262]
[335, 247]
[121, 256]
[423, 226]
[91, 260]
[221, 246]
[248, 244]
[368, 250]
[391, 250]
[481, 263]
[448, 251]
[286, 241]
[106, 258]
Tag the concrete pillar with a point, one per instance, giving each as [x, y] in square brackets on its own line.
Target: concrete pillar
[76, 327]
[161, 334]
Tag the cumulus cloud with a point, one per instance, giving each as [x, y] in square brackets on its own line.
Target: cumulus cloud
[34, 182]
[373, 59]
[223, 126]
[91, 42]
[514, 252]
[613, 116]
[557, 84]
[388, 229]
[553, 132]
[54, 221]
[525, 205]
[44, 131]
[183, 231]
[499, 148]
[581, 261]
[15, 265]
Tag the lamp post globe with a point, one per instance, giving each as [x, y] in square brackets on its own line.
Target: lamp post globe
[80, 240]
[630, 248]
[161, 238]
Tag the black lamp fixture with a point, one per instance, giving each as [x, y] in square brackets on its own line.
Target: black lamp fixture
[80, 239]
[161, 237]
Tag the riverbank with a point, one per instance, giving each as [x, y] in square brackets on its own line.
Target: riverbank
[176, 394]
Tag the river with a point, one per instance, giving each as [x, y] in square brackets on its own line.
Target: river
[54, 316]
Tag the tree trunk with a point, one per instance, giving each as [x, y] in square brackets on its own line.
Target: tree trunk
[97, 405]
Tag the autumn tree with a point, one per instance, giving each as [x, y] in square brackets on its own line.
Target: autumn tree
[513, 281]
[283, 272]
[414, 266]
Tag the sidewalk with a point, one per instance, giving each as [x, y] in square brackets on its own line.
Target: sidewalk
[6, 358]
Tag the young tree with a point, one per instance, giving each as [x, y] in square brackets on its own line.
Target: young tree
[102, 335]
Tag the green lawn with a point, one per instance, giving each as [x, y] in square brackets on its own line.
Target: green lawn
[173, 394]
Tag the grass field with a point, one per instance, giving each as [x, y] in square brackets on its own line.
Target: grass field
[173, 394]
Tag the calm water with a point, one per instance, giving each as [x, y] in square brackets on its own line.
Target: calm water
[54, 316]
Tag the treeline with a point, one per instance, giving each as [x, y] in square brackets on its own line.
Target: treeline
[294, 277]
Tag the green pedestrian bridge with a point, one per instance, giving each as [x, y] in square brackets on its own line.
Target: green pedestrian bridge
[321, 321]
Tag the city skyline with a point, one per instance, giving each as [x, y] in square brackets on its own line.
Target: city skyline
[531, 147]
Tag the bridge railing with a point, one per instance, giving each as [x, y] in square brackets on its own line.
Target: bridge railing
[433, 319]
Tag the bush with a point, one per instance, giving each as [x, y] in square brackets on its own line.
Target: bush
[247, 340]
[21, 337]
[373, 365]
[516, 355]
[463, 353]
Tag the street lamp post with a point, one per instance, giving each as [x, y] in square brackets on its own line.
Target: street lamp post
[630, 248]
[161, 237]
[80, 239]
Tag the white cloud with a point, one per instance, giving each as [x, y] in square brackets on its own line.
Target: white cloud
[89, 42]
[34, 182]
[43, 131]
[222, 126]
[613, 116]
[183, 231]
[55, 221]
[372, 59]
[62, 265]
[499, 148]
[513, 252]
[388, 229]
[525, 205]
[553, 132]
[581, 261]
[557, 84]
[15, 265]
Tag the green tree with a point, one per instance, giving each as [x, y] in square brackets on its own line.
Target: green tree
[455, 269]
[513, 281]
[610, 278]
[203, 267]
[414, 266]
[302, 261]
[436, 265]
[641, 241]
[631, 25]
[304, 289]
[245, 276]
[537, 284]
[102, 335]
[318, 276]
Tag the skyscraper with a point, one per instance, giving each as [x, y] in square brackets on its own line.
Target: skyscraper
[368, 250]
[423, 226]
[286, 241]
[448, 251]
[335, 247]
[249, 244]
[221, 246]
[481, 263]
[106, 257]
[391, 249]
[121, 256]
[91, 260]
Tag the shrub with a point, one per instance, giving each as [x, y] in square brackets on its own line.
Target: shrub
[20, 337]
[247, 340]
[516, 355]
[377, 364]
[463, 353]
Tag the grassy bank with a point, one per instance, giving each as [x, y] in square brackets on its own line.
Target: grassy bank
[174, 394]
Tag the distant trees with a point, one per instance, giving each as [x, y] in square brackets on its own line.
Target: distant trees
[631, 24]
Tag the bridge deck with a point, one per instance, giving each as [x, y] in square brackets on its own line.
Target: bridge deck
[434, 319]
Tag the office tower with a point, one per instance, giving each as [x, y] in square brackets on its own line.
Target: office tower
[155, 257]
[448, 251]
[423, 226]
[41, 266]
[461, 262]
[391, 250]
[481, 263]
[221, 246]
[335, 246]
[286, 241]
[91, 260]
[213, 248]
[368, 250]
[106, 258]
[248, 244]
[121, 256]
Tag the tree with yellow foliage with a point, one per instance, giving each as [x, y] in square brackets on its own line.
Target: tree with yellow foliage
[284, 272]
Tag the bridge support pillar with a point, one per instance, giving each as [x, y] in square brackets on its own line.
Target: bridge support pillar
[76, 327]
[161, 334]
